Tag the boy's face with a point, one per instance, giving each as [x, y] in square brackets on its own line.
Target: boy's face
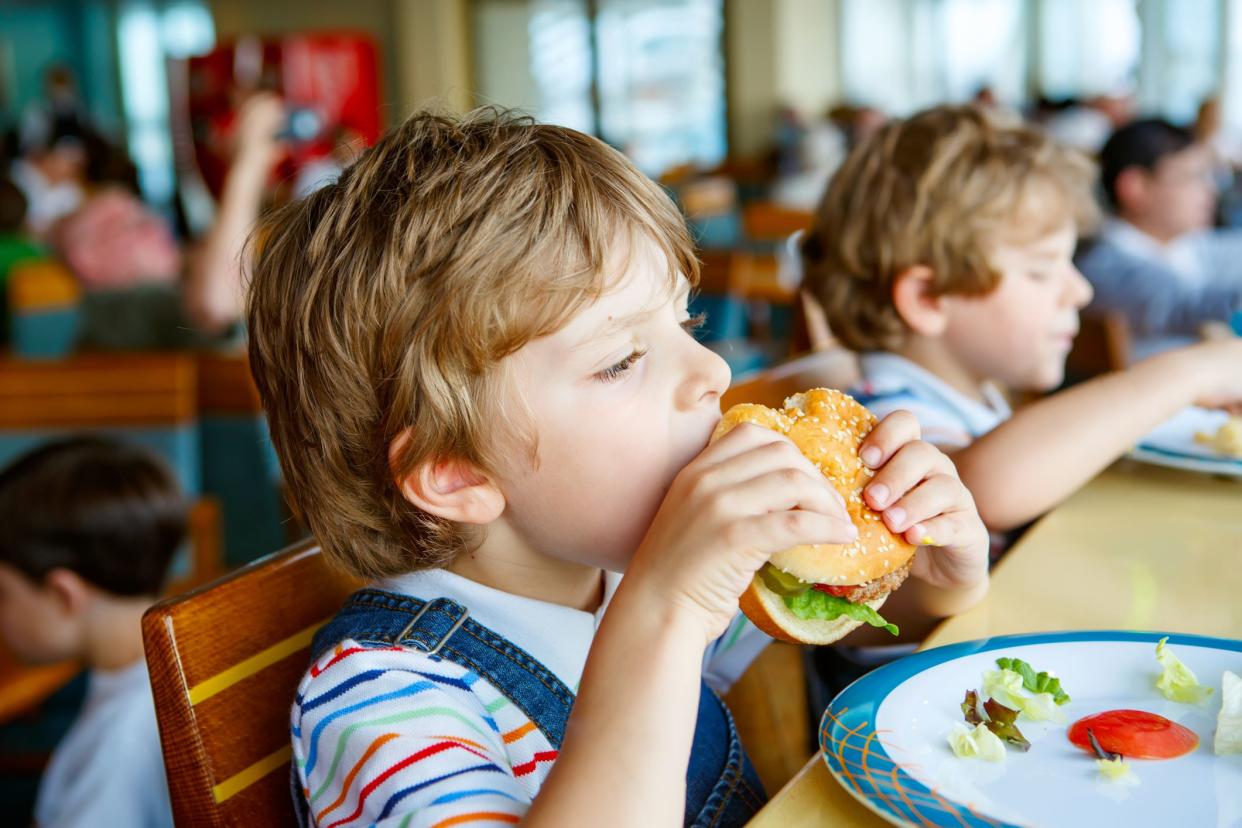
[1021, 332]
[33, 622]
[621, 399]
[1178, 196]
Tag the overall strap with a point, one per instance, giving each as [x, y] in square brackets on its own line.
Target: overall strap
[443, 629]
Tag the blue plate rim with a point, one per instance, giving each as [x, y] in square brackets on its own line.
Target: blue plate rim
[887, 678]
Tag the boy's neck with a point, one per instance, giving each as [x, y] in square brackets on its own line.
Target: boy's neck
[504, 562]
[113, 634]
[930, 354]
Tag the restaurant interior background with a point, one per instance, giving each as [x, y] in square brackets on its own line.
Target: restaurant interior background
[742, 108]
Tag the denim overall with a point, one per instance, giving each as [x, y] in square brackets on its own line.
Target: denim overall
[722, 788]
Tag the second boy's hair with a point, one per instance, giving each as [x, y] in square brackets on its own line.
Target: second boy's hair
[1142, 144]
[108, 511]
[383, 304]
[935, 190]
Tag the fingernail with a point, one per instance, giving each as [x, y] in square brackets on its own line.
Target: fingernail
[896, 516]
[879, 495]
[851, 532]
[870, 455]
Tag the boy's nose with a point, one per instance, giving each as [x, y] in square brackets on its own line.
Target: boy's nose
[1079, 290]
[708, 379]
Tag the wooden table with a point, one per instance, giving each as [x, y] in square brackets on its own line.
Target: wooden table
[1139, 547]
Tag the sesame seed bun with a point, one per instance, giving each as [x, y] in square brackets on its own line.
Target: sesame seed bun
[828, 427]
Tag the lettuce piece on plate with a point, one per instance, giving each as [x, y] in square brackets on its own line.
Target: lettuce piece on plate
[1177, 682]
[1041, 682]
[1229, 720]
[976, 743]
[1006, 687]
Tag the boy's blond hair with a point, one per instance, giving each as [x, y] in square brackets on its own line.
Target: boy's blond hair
[383, 304]
[938, 189]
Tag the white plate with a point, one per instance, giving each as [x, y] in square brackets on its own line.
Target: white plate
[885, 738]
[1172, 443]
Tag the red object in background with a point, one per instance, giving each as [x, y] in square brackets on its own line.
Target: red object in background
[334, 74]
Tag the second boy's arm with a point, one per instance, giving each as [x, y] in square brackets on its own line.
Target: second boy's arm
[1048, 449]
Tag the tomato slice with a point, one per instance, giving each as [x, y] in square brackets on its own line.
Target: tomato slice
[1135, 734]
[838, 591]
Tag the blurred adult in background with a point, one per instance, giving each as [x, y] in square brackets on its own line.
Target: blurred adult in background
[59, 111]
[1086, 125]
[51, 175]
[1210, 131]
[1157, 259]
[213, 286]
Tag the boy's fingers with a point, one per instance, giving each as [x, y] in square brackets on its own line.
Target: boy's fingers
[781, 490]
[910, 465]
[937, 495]
[889, 435]
[773, 454]
[776, 531]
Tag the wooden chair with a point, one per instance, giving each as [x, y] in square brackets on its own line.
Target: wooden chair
[239, 465]
[225, 661]
[43, 307]
[835, 368]
[147, 399]
[1103, 344]
[764, 221]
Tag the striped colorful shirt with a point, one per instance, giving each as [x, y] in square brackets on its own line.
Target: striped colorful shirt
[387, 736]
[949, 419]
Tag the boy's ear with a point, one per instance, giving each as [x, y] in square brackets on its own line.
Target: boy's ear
[67, 588]
[453, 489]
[917, 305]
[1130, 187]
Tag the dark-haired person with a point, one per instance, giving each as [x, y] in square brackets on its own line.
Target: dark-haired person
[87, 529]
[1158, 260]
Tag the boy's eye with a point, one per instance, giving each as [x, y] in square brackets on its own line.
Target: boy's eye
[614, 372]
[692, 325]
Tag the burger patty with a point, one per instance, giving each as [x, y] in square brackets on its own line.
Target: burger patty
[879, 587]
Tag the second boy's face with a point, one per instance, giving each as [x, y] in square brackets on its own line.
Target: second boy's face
[622, 399]
[1021, 332]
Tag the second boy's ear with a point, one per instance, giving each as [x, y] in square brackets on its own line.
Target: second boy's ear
[449, 488]
[918, 305]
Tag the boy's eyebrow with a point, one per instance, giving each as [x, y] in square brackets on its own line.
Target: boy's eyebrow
[622, 323]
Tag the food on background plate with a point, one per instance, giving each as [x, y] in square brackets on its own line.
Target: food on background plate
[1229, 720]
[1227, 440]
[1176, 682]
[819, 593]
[1135, 734]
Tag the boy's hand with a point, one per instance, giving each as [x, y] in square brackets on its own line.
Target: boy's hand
[1218, 364]
[745, 497]
[917, 491]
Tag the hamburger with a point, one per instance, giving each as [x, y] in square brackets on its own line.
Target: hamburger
[817, 594]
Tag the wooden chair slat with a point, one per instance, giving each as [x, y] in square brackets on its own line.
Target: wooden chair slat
[225, 660]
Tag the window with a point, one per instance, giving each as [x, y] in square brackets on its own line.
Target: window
[647, 76]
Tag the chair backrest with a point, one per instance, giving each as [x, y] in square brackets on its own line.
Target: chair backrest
[239, 464]
[764, 221]
[147, 399]
[837, 368]
[43, 307]
[1103, 344]
[225, 661]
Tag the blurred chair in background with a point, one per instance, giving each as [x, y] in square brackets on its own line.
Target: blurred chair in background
[239, 465]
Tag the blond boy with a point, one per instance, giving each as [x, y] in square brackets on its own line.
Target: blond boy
[942, 253]
[475, 354]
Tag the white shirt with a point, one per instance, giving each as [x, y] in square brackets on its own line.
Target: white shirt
[389, 736]
[1184, 255]
[948, 418]
[108, 770]
[45, 202]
